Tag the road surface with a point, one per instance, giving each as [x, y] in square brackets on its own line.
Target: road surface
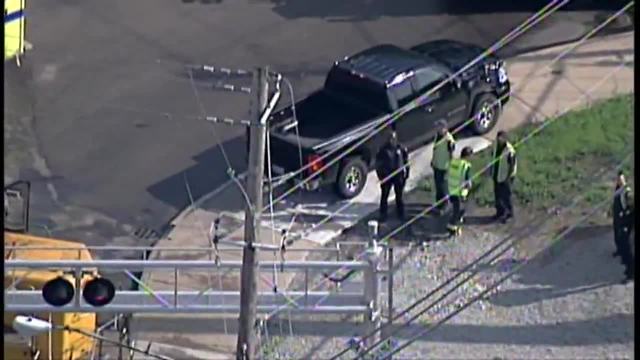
[102, 118]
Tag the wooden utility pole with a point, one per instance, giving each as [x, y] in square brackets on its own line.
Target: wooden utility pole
[246, 346]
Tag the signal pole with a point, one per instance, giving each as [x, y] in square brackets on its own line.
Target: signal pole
[246, 345]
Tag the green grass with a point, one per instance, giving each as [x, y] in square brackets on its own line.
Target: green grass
[565, 155]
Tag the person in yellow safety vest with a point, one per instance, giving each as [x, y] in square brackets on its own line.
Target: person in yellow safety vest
[443, 146]
[503, 172]
[459, 183]
[623, 223]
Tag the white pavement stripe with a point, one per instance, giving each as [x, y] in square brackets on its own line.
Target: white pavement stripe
[363, 204]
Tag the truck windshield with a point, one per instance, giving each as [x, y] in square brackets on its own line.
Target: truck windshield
[346, 85]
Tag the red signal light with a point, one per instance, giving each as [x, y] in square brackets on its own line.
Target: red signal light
[99, 292]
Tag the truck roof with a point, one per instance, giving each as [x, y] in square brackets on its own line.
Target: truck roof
[383, 63]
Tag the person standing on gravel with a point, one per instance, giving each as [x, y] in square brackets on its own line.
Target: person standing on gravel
[392, 168]
[459, 182]
[503, 172]
[623, 223]
[443, 146]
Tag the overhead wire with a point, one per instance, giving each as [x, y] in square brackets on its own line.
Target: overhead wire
[493, 286]
[462, 126]
[475, 176]
[230, 171]
[510, 241]
[387, 120]
[535, 131]
[510, 36]
[526, 25]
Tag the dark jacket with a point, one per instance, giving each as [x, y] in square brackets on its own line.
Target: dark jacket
[391, 158]
[623, 215]
[511, 160]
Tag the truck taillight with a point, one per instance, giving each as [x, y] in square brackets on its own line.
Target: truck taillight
[315, 163]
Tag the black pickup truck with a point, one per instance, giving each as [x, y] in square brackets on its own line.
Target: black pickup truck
[359, 94]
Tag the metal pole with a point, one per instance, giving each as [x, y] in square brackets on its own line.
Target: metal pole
[371, 283]
[389, 329]
[245, 348]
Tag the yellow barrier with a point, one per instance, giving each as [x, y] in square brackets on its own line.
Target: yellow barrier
[61, 344]
[14, 29]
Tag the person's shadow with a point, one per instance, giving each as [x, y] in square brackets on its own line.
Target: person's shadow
[579, 262]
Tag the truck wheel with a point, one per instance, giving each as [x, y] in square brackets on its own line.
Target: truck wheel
[485, 114]
[351, 178]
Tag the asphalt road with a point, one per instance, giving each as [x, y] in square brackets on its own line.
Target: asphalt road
[102, 118]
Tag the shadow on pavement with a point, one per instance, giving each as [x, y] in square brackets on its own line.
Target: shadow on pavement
[207, 175]
[373, 9]
[548, 334]
[579, 262]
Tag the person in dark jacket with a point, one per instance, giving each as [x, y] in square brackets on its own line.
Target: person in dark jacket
[503, 172]
[623, 225]
[392, 168]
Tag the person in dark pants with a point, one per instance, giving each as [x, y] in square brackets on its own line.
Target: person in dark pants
[503, 173]
[623, 225]
[443, 146]
[459, 183]
[392, 168]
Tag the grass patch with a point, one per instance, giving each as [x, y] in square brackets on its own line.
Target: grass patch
[565, 155]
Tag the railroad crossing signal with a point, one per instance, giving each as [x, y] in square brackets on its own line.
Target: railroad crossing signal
[96, 292]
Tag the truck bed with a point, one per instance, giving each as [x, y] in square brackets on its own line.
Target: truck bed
[321, 118]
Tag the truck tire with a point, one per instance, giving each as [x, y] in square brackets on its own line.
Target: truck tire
[486, 112]
[351, 178]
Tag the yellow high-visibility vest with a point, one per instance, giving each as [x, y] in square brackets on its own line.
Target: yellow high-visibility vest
[456, 180]
[441, 154]
[503, 164]
[14, 28]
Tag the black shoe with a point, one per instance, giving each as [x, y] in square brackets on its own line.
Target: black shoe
[506, 219]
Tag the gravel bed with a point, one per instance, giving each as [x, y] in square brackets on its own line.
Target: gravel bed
[565, 303]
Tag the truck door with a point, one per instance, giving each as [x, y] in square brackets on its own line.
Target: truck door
[457, 98]
[409, 126]
[432, 109]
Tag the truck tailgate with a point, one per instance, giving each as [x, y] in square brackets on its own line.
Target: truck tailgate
[285, 154]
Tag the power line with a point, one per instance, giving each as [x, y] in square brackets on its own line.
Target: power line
[462, 126]
[204, 114]
[526, 25]
[493, 286]
[520, 142]
[389, 119]
[535, 131]
[519, 236]
[428, 209]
